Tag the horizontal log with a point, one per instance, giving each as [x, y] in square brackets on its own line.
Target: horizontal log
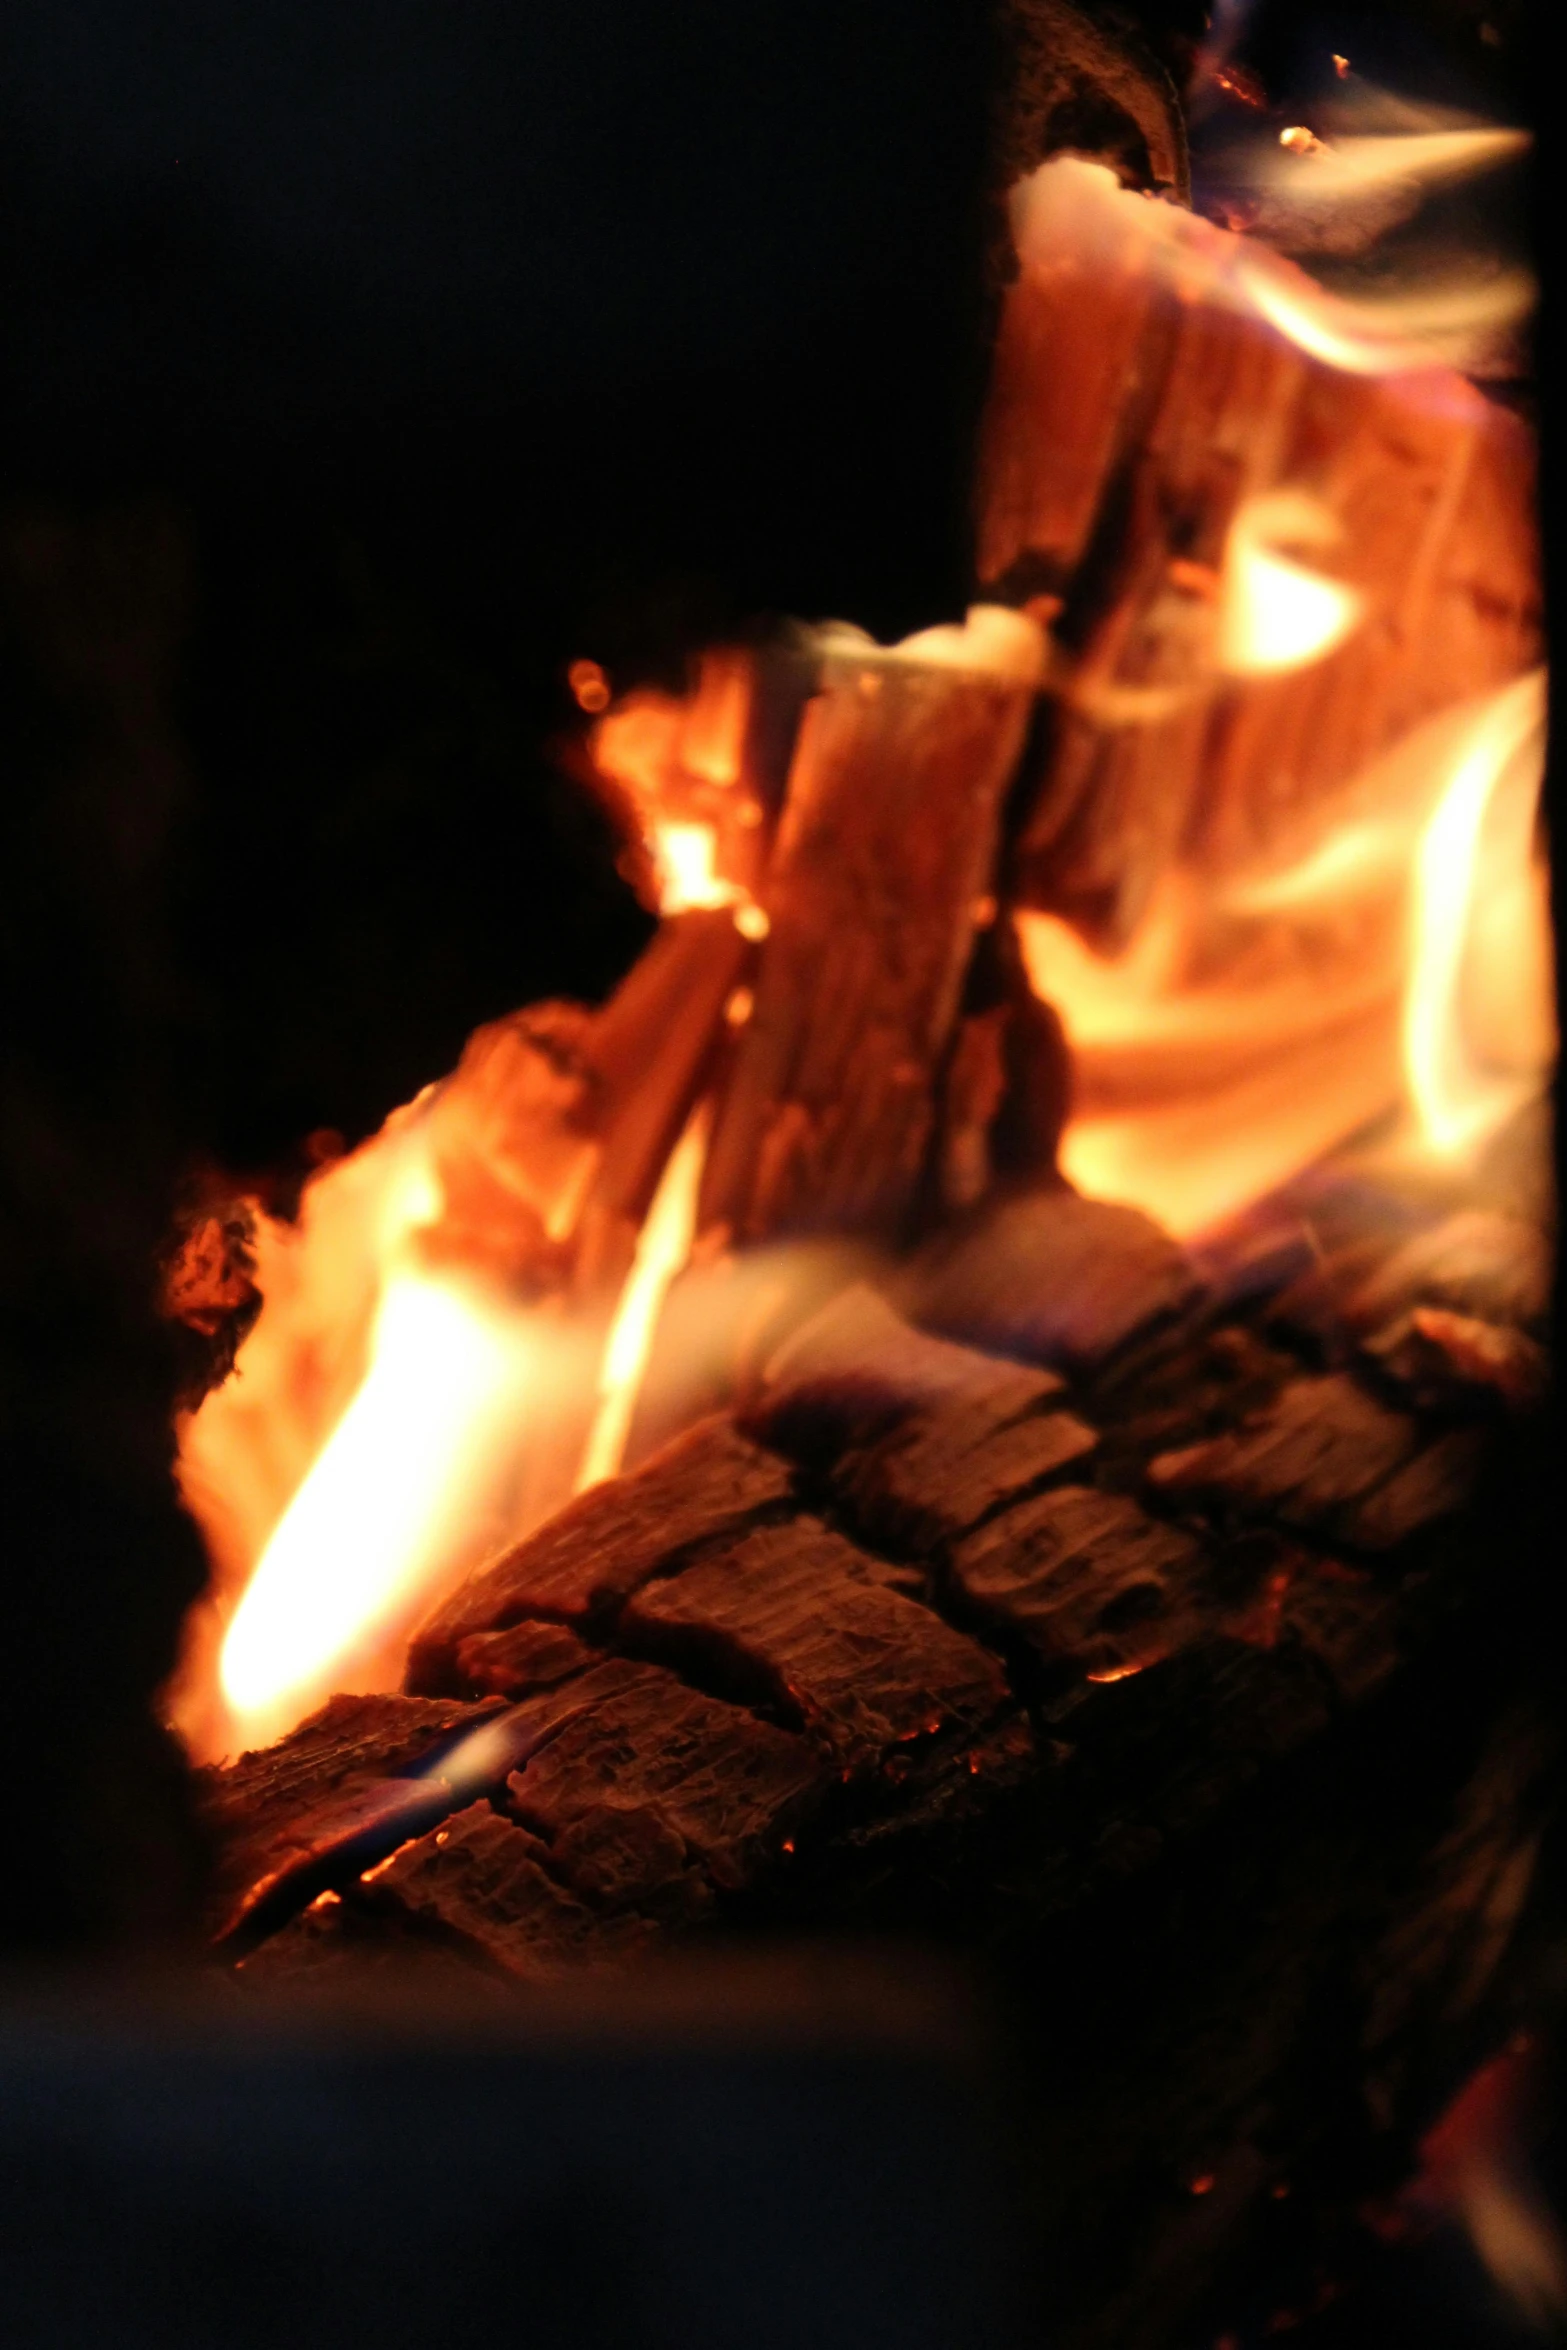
[800, 1618]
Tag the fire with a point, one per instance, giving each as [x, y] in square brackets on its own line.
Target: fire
[1472, 870]
[662, 1250]
[680, 760]
[386, 1505]
[456, 1330]
[1402, 958]
[1275, 613]
[423, 1381]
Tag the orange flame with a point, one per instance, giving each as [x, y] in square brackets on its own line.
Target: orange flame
[1402, 956]
[663, 1246]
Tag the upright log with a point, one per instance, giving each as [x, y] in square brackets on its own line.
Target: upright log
[879, 881]
[1157, 378]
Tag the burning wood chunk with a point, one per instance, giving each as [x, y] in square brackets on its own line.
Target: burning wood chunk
[944, 1472]
[1431, 1486]
[800, 1616]
[1440, 1358]
[1321, 1447]
[522, 1659]
[1495, 1268]
[657, 1790]
[477, 1880]
[263, 1811]
[705, 1486]
[1083, 1575]
[1053, 1278]
[858, 1371]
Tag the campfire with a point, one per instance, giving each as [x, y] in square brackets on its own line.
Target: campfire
[978, 1365]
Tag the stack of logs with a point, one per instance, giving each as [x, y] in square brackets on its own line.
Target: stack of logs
[1117, 1616]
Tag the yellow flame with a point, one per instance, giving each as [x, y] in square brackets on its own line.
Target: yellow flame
[662, 1249]
[385, 1503]
[1258, 1019]
[1455, 1098]
[686, 856]
[1274, 613]
[1400, 334]
[1357, 166]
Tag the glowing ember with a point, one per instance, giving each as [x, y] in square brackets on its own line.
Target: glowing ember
[1249, 1028]
[589, 686]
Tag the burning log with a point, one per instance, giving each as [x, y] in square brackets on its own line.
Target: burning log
[826, 1120]
[1280, 549]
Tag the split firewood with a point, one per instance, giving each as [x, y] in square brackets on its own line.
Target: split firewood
[1150, 429]
[878, 883]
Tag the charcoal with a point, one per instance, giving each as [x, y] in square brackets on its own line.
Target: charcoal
[1323, 1445]
[798, 1615]
[478, 1881]
[1053, 1278]
[656, 1790]
[265, 1811]
[706, 1485]
[1083, 1575]
[935, 1479]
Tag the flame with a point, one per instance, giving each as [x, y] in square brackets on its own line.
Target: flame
[1349, 167]
[386, 1504]
[684, 854]
[681, 762]
[1457, 1095]
[663, 1247]
[1402, 955]
[1274, 613]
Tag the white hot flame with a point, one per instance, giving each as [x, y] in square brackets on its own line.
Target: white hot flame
[386, 1502]
[1274, 612]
